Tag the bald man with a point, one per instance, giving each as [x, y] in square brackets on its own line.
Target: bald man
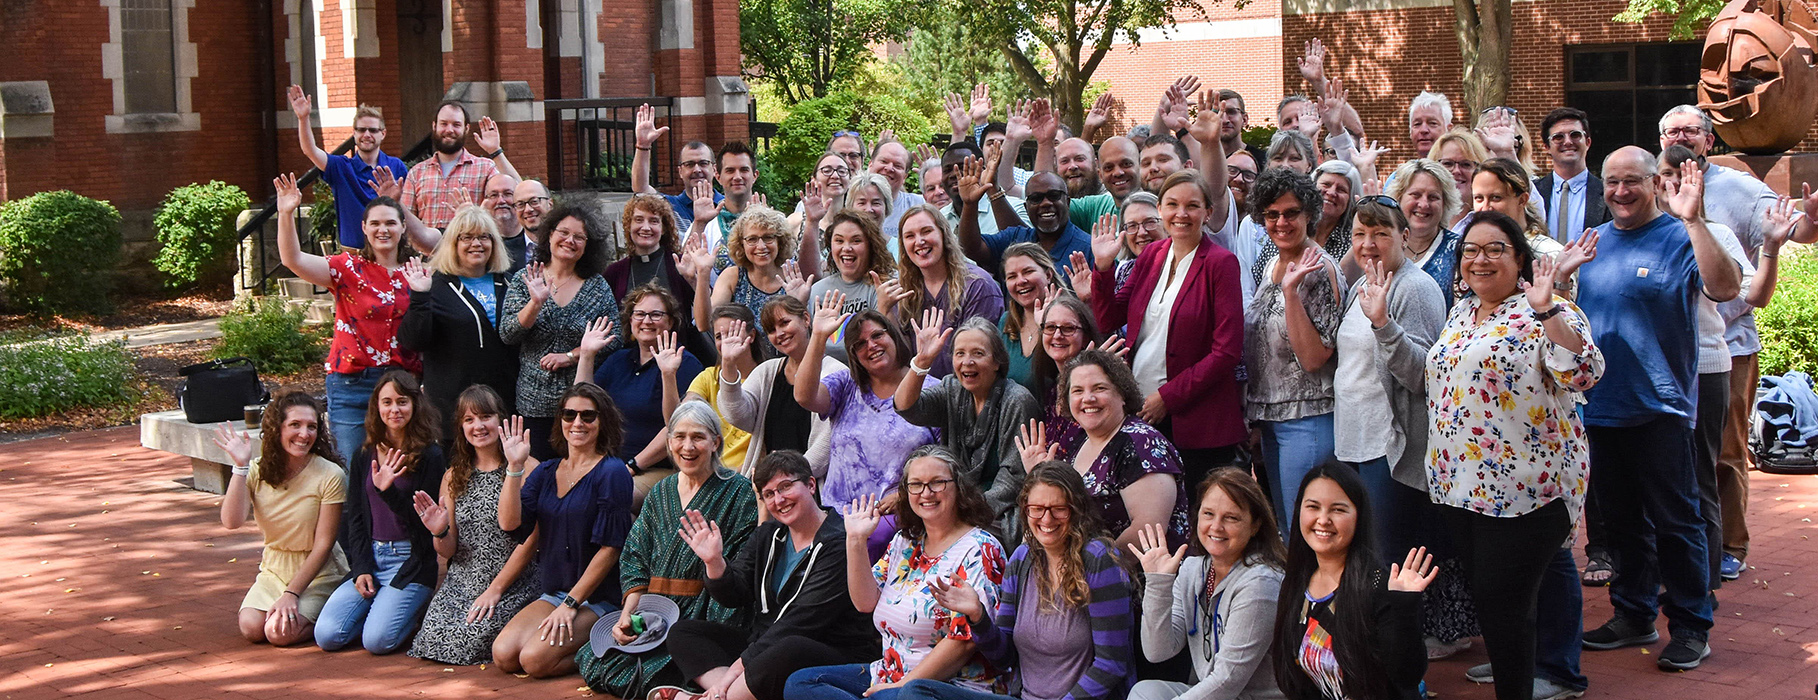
[1117, 167]
[501, 195]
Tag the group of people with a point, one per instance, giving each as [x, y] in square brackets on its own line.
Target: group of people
[1196, 420]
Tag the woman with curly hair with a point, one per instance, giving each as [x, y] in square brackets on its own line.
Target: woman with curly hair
[763, 250]
[861, 268]
[296, 498]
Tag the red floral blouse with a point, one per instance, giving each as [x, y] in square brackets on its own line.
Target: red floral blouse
[369, 305]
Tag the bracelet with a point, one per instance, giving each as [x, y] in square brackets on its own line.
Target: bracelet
[919, 371]
[1769, 256]
[496, 153]
[511, 474]
[734, 380]
[443, 533]
[242, 471]
[642, 148]
[1549, 313]
[298, 595]
[998, 196]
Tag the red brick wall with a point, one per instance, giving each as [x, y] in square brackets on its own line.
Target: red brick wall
[1138, 75]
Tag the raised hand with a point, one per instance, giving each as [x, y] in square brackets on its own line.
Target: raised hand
[1298, 270]
[759, 199]
[536, 282]
[1577, 253]
[1809, 202]
[1332, 105]
[597, 336]
[1079, 274]
[930, 336]
[701, 193]
[955, 105]
[1184, 87]
[416, 274]
[299, 103]
[1114, 345]
[696, 258]
[387, 466]
[1206, 126]
[434, 517]
[1413, 574]
[735, 343]
[1312, 63]
[861, 517]
[1017, 127]
[959, 597]
[1173, 111]
[994, 152]
[795, 283]
[890, 292]
[515, 441]
[646, 130]
[288, 196]
[814, 204]
[1151, 549]
[1309, 121]
[1373, 297]
[235, 444]
[974, 181]
[668, 354]
[1032, 445]
[1365, 157]
[980, 111]
[486, 135]
[1042, 122]
[702, 535]
[886, 135]
[1540, 291]
[827, 316]
[923, 153]
[1098, 115]
[1497, 132]
[1685, 199]
[1777, 225]
[1105, 244]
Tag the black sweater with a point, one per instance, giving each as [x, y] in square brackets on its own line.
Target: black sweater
[1395, 639]
[814, 602]
[459, 344]
[356, 520]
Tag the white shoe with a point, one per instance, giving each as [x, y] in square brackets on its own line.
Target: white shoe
[1437, 650]
[1548, 690]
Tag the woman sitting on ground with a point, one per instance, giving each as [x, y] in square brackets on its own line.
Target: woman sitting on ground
[296, 499]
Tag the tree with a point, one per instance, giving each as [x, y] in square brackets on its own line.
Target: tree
[1485, 33]
[807, 48]
[1075, 35]
[943, 56]
[1691, 15]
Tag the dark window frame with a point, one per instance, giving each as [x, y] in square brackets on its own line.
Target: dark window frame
[1614, 106]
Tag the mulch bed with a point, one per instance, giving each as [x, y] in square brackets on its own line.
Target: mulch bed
[131, 314]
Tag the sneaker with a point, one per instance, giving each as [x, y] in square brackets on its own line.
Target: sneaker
[1731, 568]
[1619, 633]
[1481, 673]
[1437, 650]
[1683, 654]
[1548, 690]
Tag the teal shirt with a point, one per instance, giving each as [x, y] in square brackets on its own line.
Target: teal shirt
[1084, 211]
[1022, 369]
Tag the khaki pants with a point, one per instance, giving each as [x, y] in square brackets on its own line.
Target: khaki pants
[1734, 462]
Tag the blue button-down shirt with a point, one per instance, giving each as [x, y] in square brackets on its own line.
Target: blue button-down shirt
[1566, 202]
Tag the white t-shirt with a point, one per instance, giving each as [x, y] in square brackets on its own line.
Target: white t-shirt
[1359, 430]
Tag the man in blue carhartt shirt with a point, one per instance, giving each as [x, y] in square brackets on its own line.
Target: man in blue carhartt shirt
[349, 176]
[1640, 296]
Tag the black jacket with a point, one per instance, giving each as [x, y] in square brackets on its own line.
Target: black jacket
[814, 602]
[356, 519]
[1595, 212]
[1395, 638]
[459, 345]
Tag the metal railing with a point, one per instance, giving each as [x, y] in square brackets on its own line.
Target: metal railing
[604, 137]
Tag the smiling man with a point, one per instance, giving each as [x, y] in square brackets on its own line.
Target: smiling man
[436, 186]
[1574, 198]
[1046, 202]
[349, 176]
[891, 160]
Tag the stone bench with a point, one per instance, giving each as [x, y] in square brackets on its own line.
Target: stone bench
[169, 431]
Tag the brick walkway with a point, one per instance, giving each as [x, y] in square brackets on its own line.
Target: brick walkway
[122, 584]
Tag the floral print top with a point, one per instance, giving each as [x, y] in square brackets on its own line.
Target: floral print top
[1136, 451]
[369, 306]
[1506, 438]
[911, 622]
[1293, 392]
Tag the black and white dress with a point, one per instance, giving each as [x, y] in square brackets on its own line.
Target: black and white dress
[481, 551]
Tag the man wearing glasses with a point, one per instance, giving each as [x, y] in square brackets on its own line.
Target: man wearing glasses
[348, 176]
[1574, 198]
[695, 164]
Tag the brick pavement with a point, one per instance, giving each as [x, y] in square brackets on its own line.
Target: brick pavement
[122, 584]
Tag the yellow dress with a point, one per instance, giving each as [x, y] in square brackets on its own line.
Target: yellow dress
[707, 386]
[287, 517]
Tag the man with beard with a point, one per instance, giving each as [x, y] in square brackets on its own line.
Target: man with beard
[500, 202]
[1046, 204]
[694, 165]
[952, 162]
[349, 175]
[1233, 118]
[436, 186]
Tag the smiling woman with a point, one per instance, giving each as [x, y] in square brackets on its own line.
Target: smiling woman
[453, 318]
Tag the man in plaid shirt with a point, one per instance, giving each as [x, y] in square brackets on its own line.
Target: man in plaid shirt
[436, 187]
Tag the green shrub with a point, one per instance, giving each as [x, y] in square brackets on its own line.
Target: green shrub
[196, 231]
[272, 334]
[802, 137]
[324, 225]
[42, 377]
[1259, 137]
[1789, 324]
[58, 251]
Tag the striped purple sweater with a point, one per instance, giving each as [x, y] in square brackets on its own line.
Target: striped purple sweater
[1111, 673]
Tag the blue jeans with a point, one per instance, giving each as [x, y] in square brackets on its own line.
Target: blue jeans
[383, 622]
[1292, 448]
[1400, 511]
[1643, 475]
[348, 395]
[942, 690]
[843, 682]
[1559, 623]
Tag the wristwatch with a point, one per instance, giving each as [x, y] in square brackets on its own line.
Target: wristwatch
[1549, 313]
[570, 603]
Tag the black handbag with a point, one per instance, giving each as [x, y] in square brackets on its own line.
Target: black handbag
[219, 390]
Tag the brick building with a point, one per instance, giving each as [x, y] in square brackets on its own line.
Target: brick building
[1565, 53]
[123, 100]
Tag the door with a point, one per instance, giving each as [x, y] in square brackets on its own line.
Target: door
[419, 69]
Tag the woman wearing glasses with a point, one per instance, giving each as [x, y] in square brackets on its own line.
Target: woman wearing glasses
[1460, 152]
[1032, 282]
[1183, 304]
[1219, 603]
[1508, 469]
[1338, 183]
[792, 574]
[579, 507]
[1391, 317]
[942, 538]
[762, 246]
[827, 184]
[644, 379]
[453, 318]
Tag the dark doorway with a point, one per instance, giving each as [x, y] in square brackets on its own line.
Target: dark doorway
[419, 69]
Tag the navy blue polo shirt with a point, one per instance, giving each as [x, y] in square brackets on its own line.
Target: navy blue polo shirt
[1072, 239]
[1640, 296]
[348, 176]
[684, 208]
[637, 389]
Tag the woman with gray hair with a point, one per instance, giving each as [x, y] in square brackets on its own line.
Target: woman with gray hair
[872, 194]
[656, 559]
[1292, 150]
[977, 408]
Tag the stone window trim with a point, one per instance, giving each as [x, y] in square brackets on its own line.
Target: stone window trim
[112, 68]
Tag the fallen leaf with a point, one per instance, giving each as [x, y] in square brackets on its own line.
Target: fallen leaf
[235, 559]
[49, 665]
[110, 618]
[142, 573]
[71, 590]
[1645, 652]
[1777, 631]
[178, 627]
[448, 670]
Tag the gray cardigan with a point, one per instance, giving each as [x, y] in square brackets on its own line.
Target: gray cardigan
[1241, 668]
[985, 441]
[742, 404]
[1417, 313]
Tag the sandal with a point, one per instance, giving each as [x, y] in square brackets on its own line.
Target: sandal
[1598, 571]
[670, 692]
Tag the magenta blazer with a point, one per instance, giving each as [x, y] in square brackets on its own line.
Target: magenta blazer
[1205, 339]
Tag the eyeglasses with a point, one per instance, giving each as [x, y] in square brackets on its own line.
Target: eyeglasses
[369, 130]
[587, 416]
[915, 488]
[1273, 215]
[1511, 110]
[1682, 131]
[1241, 174]
[531, 202]
[1382, 199]
[781, 487]
[1059, 512]
[1610, 183]
[1055, 196]
[648, 315]
[1456, 165]
[1492, 251]
[692, 164]
[1151, 224]
[850, 156]
[1560, 137]
[499, 195]
[835, 171]
[1061, 329]
[768, 238]
[472, 238]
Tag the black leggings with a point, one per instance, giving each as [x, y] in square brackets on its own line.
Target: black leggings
[698, 646]
[1505, 559]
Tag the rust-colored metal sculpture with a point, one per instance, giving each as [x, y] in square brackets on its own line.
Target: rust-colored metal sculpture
[1757, 79]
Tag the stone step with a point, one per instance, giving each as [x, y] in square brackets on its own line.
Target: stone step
[314, 310]
[299, 288]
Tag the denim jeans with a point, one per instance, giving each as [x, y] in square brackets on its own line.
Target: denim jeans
[1559, 623]
[843, 682]
[348, 394]
[942, 690]
[1402, 512]
[383, 622]
[1291, 449]
[1643, 475]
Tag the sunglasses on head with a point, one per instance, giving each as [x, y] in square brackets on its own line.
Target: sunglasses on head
[1382, 199]
[588, 416]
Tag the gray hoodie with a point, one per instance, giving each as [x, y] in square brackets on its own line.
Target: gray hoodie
[1234, 664]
